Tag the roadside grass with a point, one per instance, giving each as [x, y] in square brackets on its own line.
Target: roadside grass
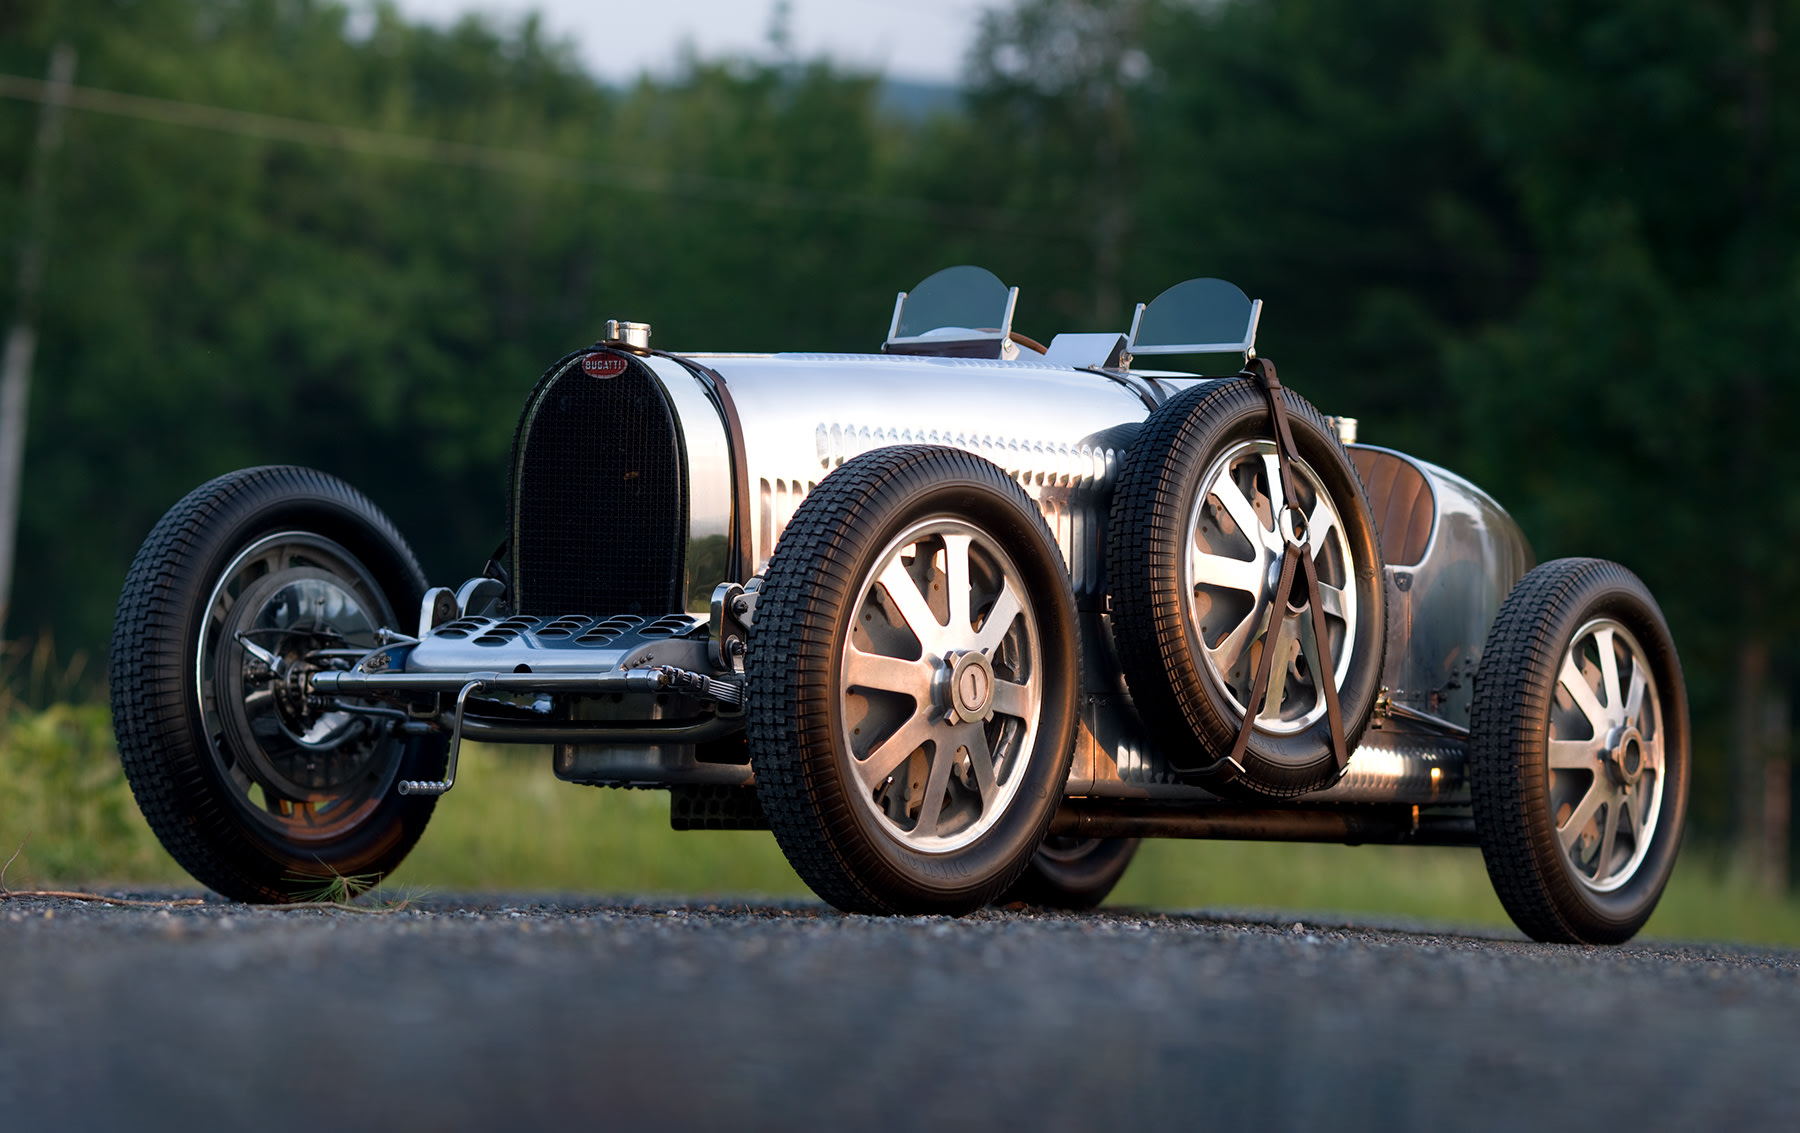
[66, 814]
[1705, 901]
[510, 825]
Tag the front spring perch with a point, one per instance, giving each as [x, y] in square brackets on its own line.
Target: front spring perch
[438, 787]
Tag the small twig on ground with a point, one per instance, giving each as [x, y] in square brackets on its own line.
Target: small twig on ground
[7, 894]
[76, 895]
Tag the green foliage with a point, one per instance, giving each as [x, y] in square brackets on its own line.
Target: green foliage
[1551, 244]
[1636, 404]
[217, 301]
[64, 804]
[511, 826]
[33, 677]
[1317, 153]
[65, 809]
[1705, 900]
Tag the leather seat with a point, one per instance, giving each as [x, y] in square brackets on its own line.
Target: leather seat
[1401, 500]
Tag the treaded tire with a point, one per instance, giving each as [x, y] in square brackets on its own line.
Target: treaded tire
[1185, 707]
[175, 769]
[1510, 776]
[1068, 873]
[800, 710]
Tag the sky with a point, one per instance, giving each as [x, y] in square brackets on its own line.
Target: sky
[918, 40]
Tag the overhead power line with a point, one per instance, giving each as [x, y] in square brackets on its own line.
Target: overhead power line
[497, 159]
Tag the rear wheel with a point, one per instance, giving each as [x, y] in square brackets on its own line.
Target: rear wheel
[1073, 873]
[262, 792]
[1578, 759]
[913, 678]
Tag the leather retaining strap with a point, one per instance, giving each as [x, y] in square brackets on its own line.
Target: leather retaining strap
[1295, 562]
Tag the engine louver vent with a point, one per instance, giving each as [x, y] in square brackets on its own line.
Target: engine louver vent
[599, 510]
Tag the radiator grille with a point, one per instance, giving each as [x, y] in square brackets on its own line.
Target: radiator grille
[599, 510]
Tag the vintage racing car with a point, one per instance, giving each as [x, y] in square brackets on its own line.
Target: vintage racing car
[959, 621]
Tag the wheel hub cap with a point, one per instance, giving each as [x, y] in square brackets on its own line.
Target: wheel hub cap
[1626, 757]
[971, 686]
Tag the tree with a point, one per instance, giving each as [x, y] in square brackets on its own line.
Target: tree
[217, 300]
[1638, 405]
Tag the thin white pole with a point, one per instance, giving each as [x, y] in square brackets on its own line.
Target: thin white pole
[21, 338]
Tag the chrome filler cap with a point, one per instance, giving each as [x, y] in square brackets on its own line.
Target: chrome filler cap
[635, 335]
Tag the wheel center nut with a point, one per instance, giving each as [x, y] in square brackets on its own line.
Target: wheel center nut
[971, 686]
[1626, 758]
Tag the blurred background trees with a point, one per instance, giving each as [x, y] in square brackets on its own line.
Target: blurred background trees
[1550, 244]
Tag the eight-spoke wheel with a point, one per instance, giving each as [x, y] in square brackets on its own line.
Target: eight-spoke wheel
[1198, 529]
[912, 683]
[1579, 752]
[1238, 511]
[262, 791]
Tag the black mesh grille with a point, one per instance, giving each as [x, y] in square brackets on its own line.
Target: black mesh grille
[599, 509]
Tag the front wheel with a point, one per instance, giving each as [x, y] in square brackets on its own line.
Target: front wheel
[913, 677]
[1578, 754]
[260, 791]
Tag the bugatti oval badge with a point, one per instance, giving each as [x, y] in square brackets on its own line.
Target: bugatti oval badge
[603, 365]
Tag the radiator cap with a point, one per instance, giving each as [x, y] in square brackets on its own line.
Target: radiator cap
[634, 335]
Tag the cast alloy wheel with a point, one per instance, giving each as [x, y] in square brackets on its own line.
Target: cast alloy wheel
[1196, 536]
[1232, 562]
[1579, 753]
[1605, 756]
[942, 682]
[913, 681]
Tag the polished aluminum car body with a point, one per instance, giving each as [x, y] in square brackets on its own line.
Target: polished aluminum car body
[625, 695]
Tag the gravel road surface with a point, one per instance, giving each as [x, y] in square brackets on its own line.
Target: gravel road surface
[487, 1013]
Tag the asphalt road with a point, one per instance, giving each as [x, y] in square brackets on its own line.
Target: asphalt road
[486, 1013]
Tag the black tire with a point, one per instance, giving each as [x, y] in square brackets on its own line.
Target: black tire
[931, 831]
[1072, 873]
[1189, 691]
[251, 807]
[1597, 891]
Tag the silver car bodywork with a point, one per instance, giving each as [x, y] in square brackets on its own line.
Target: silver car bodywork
[1062, 433]
[759, 432]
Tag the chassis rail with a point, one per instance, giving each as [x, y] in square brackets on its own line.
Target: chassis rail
[1392, 825]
